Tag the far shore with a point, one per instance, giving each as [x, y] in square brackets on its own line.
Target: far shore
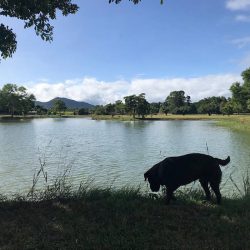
[236, 122]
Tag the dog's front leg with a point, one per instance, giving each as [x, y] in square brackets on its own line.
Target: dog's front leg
[169, 195]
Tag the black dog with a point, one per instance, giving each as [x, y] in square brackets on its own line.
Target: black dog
[174, 172]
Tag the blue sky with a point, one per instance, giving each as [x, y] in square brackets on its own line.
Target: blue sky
[107, 51]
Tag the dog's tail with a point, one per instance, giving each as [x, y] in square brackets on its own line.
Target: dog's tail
[223, 162]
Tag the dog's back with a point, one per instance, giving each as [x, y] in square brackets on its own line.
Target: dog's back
[181, 170]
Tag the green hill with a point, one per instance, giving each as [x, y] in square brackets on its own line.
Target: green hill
[70, 104]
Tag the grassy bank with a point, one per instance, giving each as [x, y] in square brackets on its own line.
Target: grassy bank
[235, 122]
[123, 219]
[156, 117]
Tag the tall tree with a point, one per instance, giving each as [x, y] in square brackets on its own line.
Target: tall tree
[131, 104]
[99, 110]
[119, 107]
[59, 106]
[241, 92]
[110, 109]
[143, 106]
[16, 99]
[34, 13]
[246, 85]
[238, 96]
[246, 75]
[137, 105]
[154, 108]
[211, 105]
[227, 108]
[248, 105]
[175, 101]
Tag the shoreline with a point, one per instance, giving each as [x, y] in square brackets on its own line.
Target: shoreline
[239, 123]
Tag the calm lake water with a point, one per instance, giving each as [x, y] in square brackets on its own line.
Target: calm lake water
[111, 152]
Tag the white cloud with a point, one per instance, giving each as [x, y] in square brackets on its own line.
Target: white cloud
[242, 42]
[242, 18]
[100, 92]
[197, 88]
[87, 89]
[238, 4]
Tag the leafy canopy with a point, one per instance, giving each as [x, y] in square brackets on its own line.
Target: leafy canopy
[59, 106]
[37, 14]
[241, 92]
[34, 13]
[16, 100]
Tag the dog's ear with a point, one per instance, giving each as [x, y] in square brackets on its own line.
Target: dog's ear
[145, 176]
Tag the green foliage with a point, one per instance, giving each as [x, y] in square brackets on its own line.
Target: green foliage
[137, 105]
[83, 111]
[246, 75]
[143, 106]
[164, 108]
[59, 106]
[130, 104]
[40, 110]
[210, 105]
[176, 99]
[7, 42]
[238, 97]
[227, 108]
[99, 110]
[110, 109]
[37, 14]
[119, 107]
[241, 93]
[248, 105]
[154, 108]
[178, 103]
[16, 100]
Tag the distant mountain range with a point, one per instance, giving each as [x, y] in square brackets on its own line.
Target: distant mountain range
[70, 104]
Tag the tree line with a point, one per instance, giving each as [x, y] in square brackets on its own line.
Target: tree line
[177, 102]
[15, 100]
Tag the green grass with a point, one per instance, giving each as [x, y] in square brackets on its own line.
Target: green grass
[115, 117]
[235, 122]
[123, 219]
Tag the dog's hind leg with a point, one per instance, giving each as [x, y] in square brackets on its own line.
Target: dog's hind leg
[204, 184]
[214, 182]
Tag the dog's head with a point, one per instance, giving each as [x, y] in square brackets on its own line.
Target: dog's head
[153, 181]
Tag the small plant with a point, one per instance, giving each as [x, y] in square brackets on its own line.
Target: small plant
[246, 184]
[245, 190]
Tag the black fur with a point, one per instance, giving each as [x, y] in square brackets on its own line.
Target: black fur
[174, 172]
